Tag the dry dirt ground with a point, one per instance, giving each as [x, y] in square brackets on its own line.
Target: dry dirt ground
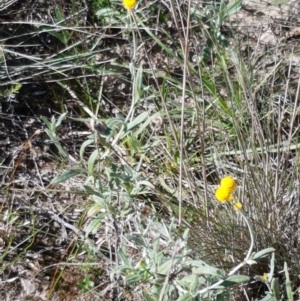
[40, 241]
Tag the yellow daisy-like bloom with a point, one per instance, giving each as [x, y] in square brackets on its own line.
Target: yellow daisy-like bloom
[223, 194]
[129, 4]
[238, 206]
[265, 276]
[229, 183]
[225, 190]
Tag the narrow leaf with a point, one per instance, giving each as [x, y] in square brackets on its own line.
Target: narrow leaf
[60, 119]
[83, 147]
[167, 265]
[262, 253]
[185, 297]
[146, 123]
[92, 160]
[275, 288]
[124, 258]
[288, 284]
[67, 175]
[232, 7]
[137, 240]
[95, 224]
[139, 119]
[208, 270]
[235, 279]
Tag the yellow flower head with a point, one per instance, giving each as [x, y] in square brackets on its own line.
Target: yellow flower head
[223, 194]
[229, 183]
[238, 206]
[129, 4]
[265, 276]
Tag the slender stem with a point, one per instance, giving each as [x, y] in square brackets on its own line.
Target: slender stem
[235, 269]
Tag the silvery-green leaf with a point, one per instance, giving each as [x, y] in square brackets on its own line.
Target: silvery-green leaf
[67, 175]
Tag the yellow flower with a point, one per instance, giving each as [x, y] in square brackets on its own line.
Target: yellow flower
[225, 190]
[129, 4]
[238, 206]
[229, 183]
[265, 276]
[223, 194]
